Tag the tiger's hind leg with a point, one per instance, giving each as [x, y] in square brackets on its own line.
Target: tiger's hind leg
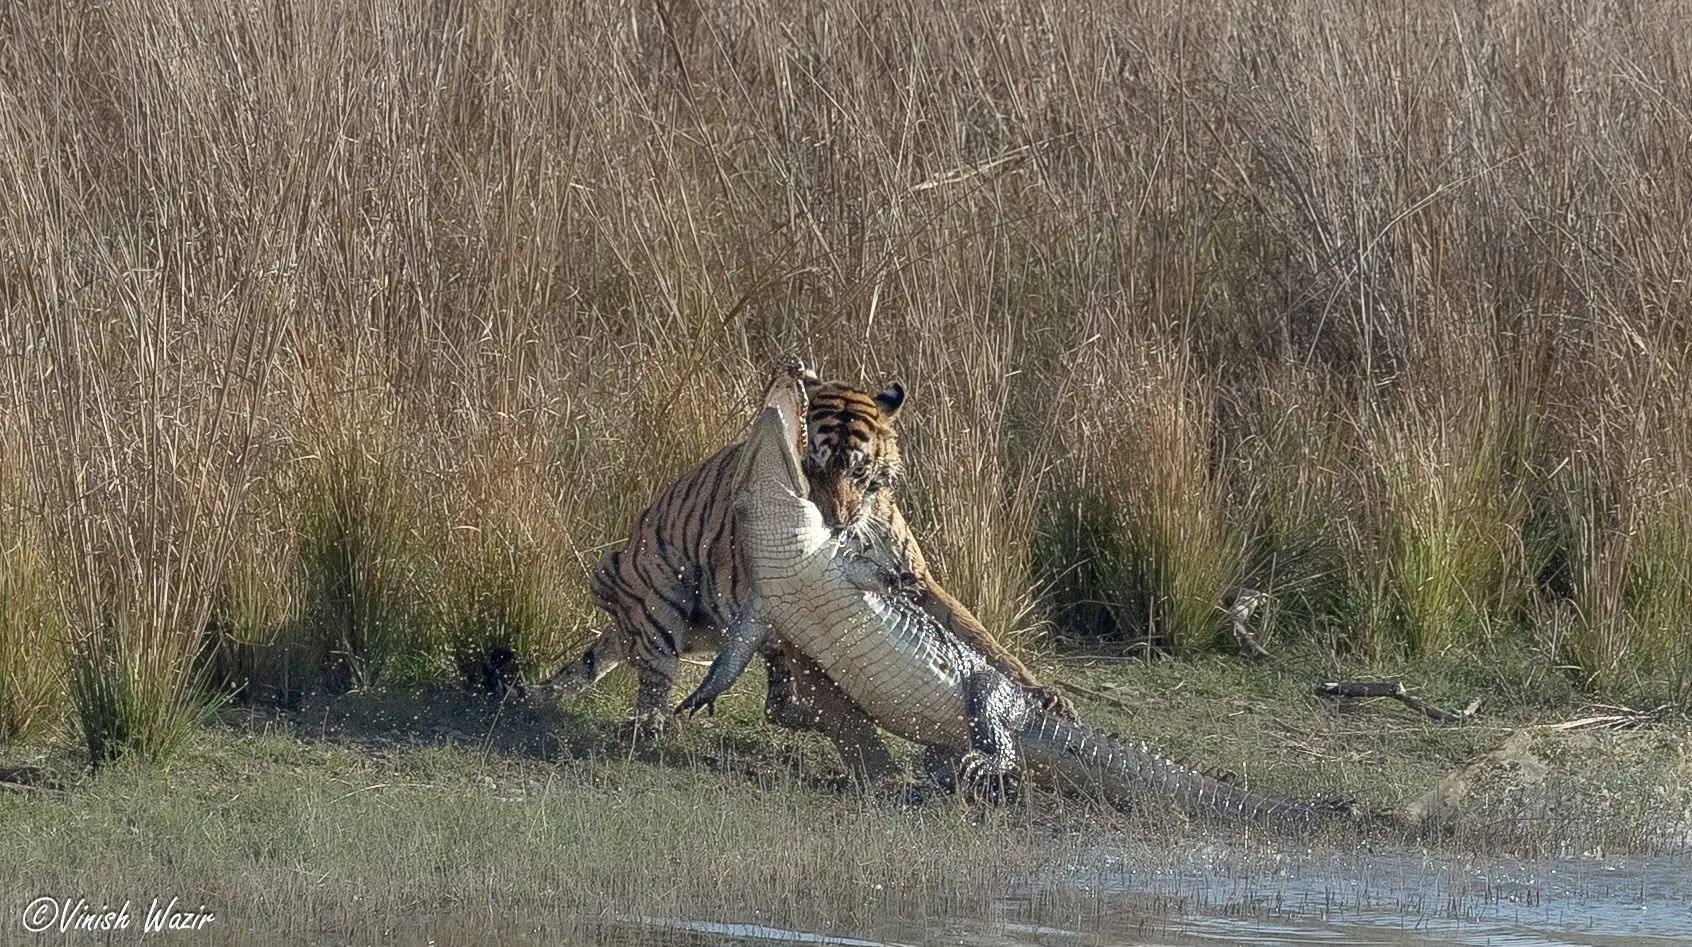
[655, 672]
[651, 627]
[802, 697]
[610, 649]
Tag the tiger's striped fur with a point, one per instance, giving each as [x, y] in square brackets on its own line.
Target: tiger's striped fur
[677, 585]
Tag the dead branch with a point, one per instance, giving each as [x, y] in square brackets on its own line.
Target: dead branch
[1397, 691]
[27, 779]
[1625, 718]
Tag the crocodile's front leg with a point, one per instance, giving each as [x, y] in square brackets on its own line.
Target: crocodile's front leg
[960, 621]
[800, 696]
[745, 638]
[991, 704]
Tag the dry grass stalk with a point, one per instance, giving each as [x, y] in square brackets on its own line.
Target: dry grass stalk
[1375, 292]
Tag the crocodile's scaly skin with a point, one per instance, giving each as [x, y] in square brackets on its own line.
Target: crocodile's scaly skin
[906, 671]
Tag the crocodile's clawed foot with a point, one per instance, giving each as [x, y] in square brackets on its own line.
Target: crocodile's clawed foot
[1051, 700]
[988, 777]
[693, 705]
[995, 790]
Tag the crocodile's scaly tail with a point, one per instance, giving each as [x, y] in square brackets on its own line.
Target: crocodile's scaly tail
[1132, 773]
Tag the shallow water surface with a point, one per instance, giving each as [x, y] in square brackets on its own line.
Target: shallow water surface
[1401, 898]
[1201, 894]
[1216, 896]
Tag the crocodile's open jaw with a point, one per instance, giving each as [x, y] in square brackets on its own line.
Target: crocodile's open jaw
[770, 455]
[768, 458]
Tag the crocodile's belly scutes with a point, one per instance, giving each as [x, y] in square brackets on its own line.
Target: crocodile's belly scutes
[881, 653]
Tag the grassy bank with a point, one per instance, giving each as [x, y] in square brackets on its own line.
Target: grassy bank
[341, 339]
[399, 814]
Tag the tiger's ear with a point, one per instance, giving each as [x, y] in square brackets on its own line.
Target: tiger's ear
[890, 399]
[810, 380]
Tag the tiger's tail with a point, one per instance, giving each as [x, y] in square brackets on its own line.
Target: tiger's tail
[610, 649]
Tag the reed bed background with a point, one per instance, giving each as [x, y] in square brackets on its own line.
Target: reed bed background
[341, 339]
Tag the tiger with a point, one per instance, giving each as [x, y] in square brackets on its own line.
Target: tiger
[676, 586]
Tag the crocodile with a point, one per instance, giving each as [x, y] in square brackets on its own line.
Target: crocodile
[911, 675]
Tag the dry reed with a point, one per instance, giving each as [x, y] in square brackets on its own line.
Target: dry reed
[1383, 310]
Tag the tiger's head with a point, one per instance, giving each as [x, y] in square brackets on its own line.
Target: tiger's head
[852, 461]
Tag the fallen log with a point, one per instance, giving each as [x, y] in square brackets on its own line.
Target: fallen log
[1397, 691]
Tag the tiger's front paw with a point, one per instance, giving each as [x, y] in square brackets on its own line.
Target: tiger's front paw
[648, 725]
[905, 793]
[1051, 700]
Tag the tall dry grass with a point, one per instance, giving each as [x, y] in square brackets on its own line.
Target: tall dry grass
[30, 672]
[359, 331]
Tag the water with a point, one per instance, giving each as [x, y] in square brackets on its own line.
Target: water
[1425, 900]
[1214, 896]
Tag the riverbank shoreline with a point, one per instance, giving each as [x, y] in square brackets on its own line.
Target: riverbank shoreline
[358, 814]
